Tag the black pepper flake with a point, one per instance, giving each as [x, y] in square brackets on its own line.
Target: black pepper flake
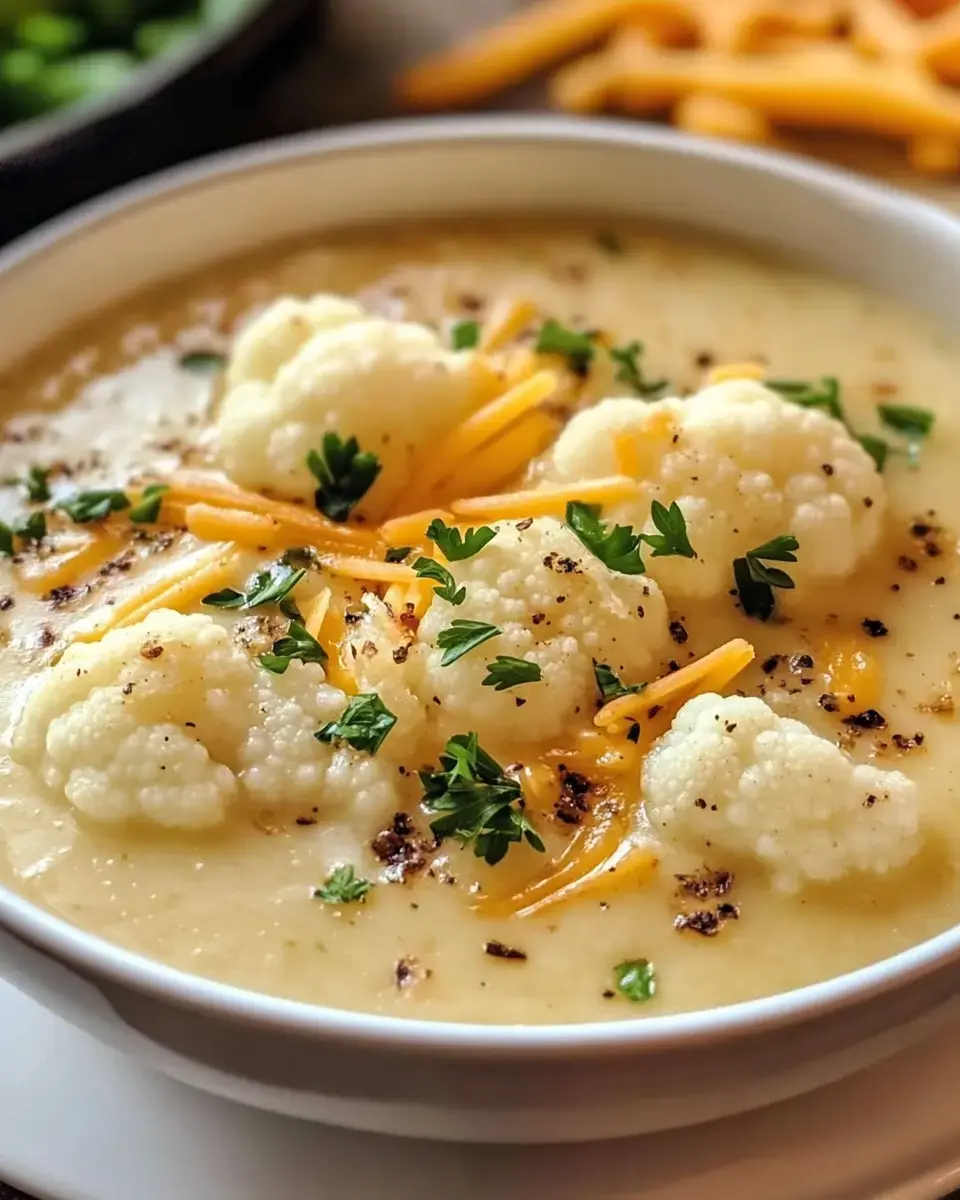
[704, 921]
[59, 596]
[572, 801]
[407, 972]
[678, 632]
[400, 654]
[538, 617]
[873, 628]
[519, 701]
[499, 950]
[940, 580]
[525, 524]
[607, 994]
[306, 820]
[6, 603]
[902, 742]
[906, 563]
[870, 801]
[801, 662]
[827, 469]
[704, 360]
[868, 719]
[653, 710]
[127, 688]
[769, 665]
[402, 848]
[190, 724]
[700, 802]
[706, 883]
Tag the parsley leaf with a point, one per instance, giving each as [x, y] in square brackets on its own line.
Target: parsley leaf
[460, 637]
[507, 672]
[396, 554]
[35, 485]
[363, 724]
[147, 509]
[33, 529]
[83, 507]
[610, 684]
[202, 362]
[672, 538]
[878, 448]
[618, 549]
[905, 418]
[636, 979]
[456, 547]
[345, 473]
[297, 643]
[465, 335]
[630, 372]
[429, 568]
[6, 539]
[269, 586]
[574, 345]
[478, 803]
[342, 886]
[811, 393]
[755, 581]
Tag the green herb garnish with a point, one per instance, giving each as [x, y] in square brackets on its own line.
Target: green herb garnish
[755, 581]
[905, 418]
[6, 539]
[35, 485]
[269, 586]
[297, 644]
[342, 886]
[84, 507]
[202, 362]
[630, 372]
[465, 335]
[33, 529]
[363, 724]
[147, 509]
[429, 568]
[345, 473]
[574, 345]
[877, 447]
[396, 554]
[478, 802]
[460, 637]
[811, 393]
[618, 548]
[636, 979]
[672, 538]
[610, 684]
[507, 672]
[453, 545]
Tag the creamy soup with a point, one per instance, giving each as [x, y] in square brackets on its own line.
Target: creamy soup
[239, 710]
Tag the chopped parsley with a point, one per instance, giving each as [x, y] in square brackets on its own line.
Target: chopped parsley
[33, 529]
[478, 803]
[574, 345]
[877, 447]
[35, 485]
[456, 547]
[755, 580]
[271, 586]
[465, 335]
[672, 538]
[618, 548]
[630, 372]
[6, 539]
[83, 507]
[396, 554]
[202, 362]
[296, 644]
[342, 886]
[812, 393]
[611, 686]
[906, 419]
[345, 474]
[147, 509]
[507, 672]
[429, 568]
[460, 637]
[363, 724]
[636, 978]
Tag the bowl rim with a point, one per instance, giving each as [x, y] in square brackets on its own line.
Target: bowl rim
[95, 957]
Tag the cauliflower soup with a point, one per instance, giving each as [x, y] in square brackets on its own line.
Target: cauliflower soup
[506, 622]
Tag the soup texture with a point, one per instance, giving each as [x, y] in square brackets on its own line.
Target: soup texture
[506, 623]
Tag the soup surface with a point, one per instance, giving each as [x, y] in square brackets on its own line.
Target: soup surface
[306, 866]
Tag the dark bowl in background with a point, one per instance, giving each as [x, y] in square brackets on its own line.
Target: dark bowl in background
[174, 108]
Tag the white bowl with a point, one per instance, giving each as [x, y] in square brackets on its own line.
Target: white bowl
[417, 1078]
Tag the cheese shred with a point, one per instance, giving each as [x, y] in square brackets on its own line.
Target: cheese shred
[546, 501]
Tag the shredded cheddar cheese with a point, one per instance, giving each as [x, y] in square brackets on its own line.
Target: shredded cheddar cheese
[318, 611]
[508, 321]
[369, 570]
[88, 553]
[626, 455]
[413, 526]
[506, 457]
[545, 502]
[248, 529]
[742, 370]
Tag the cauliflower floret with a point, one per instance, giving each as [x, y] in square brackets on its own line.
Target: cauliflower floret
[391, 385]
[733, 776]
[378, 646]
[146, 722]
[276, 334]
[557, 606]
[171, 721]
[744, 465]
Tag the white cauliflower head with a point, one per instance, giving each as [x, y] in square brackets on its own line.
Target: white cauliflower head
[731, 777]
[276, 334]
[391, 385]
[557, 606]
[745, 466]
[169, 720]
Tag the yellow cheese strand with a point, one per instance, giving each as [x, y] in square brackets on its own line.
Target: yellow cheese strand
[546, 501]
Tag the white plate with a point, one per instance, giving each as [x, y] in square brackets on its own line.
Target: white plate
[81, 1122]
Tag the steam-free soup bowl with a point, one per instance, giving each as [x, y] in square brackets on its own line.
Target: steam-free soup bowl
[458, 1081]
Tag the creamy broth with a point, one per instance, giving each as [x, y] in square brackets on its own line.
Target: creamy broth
[235, 903]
